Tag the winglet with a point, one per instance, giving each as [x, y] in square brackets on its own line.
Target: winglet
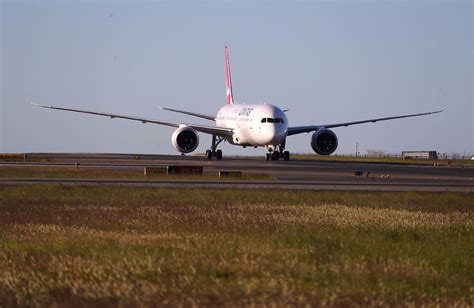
[39, 105]
[228, 81]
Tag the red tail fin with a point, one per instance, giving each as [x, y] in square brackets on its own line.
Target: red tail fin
[228, 81]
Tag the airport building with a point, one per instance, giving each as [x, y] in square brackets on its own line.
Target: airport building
[419, 155]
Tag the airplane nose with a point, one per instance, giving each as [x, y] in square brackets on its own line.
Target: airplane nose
[275, 134]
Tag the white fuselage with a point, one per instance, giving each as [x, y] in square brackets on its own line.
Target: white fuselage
[254, 125]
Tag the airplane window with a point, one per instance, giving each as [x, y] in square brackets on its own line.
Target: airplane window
[264, 120]
[269, 120]
[277, 120]
[282, 121]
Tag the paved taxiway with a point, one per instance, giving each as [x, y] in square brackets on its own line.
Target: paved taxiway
[293, 174]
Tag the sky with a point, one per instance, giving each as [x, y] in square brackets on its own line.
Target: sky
[327, 62]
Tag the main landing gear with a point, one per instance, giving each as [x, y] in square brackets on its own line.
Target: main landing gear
[277, 152]
[213, 152]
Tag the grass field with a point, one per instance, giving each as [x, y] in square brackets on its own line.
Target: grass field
[104, 246]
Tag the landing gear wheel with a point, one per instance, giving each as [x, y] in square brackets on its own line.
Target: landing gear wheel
[269, 156]
[213, 152]
[275, 155]
[286, 155]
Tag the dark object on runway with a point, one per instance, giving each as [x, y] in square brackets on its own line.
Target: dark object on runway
[184, 169]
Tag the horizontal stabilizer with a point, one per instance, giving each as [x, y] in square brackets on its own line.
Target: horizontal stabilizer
[198, 115]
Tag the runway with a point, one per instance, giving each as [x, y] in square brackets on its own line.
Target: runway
[293, 174]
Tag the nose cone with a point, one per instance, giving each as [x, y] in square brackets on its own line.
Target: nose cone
[274, 134]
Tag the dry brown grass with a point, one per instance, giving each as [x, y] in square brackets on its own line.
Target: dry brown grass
[128, 246]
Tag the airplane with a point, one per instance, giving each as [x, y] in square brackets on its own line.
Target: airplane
[257, 125]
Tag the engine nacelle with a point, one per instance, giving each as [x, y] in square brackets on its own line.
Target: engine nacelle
[185, 139]
[324, 141]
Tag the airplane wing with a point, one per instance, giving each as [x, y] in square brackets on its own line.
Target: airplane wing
[212, 130]
[306, 129]
[198, 115]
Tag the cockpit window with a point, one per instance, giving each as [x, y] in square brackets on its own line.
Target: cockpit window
[272, 120]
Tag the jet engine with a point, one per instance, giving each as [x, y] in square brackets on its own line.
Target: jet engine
[324, 141]
[185, 139]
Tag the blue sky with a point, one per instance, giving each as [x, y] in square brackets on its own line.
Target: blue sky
[325, 61]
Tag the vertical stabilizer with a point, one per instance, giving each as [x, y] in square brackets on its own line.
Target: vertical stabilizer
[228, 81]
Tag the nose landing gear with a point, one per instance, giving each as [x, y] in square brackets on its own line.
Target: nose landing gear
[277, 152]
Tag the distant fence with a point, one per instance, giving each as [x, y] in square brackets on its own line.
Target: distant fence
[442, 156]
